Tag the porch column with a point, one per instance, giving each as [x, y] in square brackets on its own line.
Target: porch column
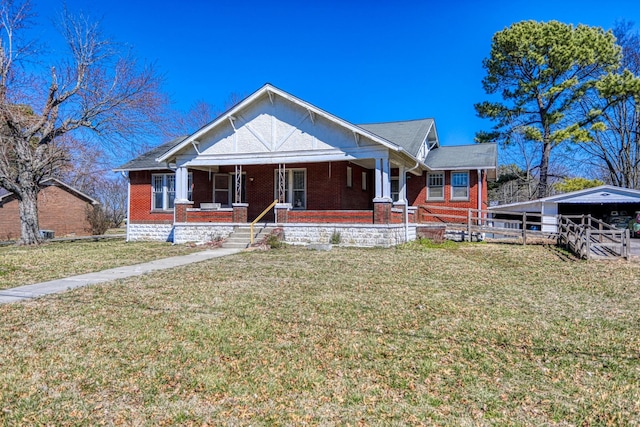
[238, 185]
[182, 182]
[402, 184]
[382, 202]
[401, 203]
[383, 179]
[282, 185]
[181, 202]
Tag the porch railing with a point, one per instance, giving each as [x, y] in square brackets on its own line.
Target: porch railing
[264, 212]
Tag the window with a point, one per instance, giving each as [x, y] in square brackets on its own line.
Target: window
[459, 185]
[364, 181]
[395, 188]
[164, 191]
[295, 191]
[224, 189]
[435, 186]
[349, 177]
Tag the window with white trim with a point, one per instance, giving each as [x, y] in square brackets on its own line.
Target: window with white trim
[459, 185]
[295, 191]
[395, 188]
[164, 191]
[224, 189]
[364, 181]
[435, 186]
[163, 188]
[349, 177]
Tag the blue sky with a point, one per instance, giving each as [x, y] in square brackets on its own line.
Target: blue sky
[364, 61]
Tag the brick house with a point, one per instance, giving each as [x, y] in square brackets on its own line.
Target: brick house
[61, 209]
[313, 172]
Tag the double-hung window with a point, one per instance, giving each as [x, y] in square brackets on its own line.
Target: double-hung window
[435, 186]
[164, 191]
[295, 187]
[163, 187]
[395, 188]
[459, 185]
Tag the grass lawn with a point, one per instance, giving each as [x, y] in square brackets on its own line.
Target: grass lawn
[469, 334]
[23, 265]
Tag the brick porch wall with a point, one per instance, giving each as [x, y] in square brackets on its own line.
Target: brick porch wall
[350, 217]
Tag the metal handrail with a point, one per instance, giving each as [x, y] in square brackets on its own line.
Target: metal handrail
[264, 212]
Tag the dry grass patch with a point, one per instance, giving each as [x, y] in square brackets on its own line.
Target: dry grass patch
[22, 265]
[464, 335]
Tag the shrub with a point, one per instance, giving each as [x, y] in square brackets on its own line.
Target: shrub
[98, 221]
[274, 240]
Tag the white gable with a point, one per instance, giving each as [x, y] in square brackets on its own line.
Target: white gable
[271, 126]
[273, 130]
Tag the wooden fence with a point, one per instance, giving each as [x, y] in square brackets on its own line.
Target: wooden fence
[521, 226]
[591, 238]
[587, 237]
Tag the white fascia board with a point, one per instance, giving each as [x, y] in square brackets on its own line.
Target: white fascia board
[312, 156]
[268, 88]
[462, 168]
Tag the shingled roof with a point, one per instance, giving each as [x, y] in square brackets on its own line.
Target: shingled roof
[147, 161]
[474, 156]
[408, 134]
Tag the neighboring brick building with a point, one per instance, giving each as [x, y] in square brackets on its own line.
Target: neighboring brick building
[321, 170]
[61, 209]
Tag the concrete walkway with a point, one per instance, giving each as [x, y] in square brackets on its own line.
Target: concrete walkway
[36, 290]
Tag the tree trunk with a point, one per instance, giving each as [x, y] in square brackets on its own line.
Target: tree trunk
[543, 187]
[28, 207]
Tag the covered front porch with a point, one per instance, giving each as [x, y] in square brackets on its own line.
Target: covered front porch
[371, 191]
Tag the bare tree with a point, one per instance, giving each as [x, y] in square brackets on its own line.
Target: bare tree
[113, 199]
[96, 92]
[199, 114]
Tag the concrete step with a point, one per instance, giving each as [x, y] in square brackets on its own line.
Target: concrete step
[241, 236]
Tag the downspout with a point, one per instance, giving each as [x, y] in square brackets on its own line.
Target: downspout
[406, 203]
[125, 175]
[479, 189]
[480, 199]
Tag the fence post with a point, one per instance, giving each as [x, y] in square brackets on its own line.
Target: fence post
[469, 225]
[627, 244]
[600, 230]
[588, 236]
[524, 228]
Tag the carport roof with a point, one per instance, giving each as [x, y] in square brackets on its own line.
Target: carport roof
[598, 195]
[604, 194]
